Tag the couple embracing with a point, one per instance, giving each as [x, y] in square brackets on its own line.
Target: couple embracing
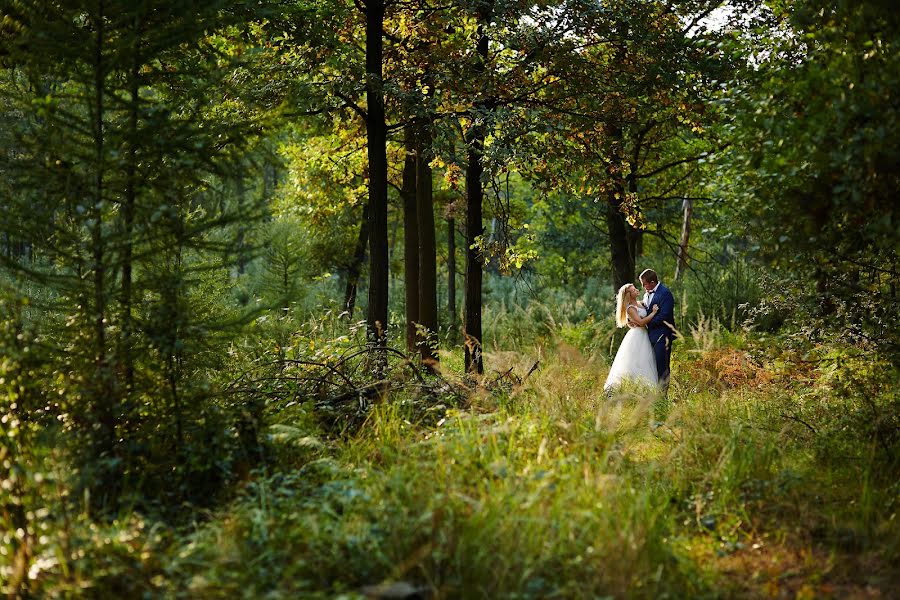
[645, 352]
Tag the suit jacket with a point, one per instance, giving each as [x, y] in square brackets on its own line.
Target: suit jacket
[663, 322]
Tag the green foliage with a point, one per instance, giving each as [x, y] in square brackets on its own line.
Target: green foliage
[815, 159]
[173, 337]
[120, 166]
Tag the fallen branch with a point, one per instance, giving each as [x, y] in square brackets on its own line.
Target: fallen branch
[801, 421]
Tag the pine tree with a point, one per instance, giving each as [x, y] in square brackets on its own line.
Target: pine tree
[123, 123]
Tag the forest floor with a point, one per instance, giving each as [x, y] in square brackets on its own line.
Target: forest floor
[763, 474]
[540, 486]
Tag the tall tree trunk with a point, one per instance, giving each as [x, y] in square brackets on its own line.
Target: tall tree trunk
[128, 209]
[473, 279]
[474, 225]
[681, 265]
[427, 246]
[410, 239]
[451, 275]
[621, 241]
[622, 261]
[359, 255]
[104, 388]
[172, 297]
[376, 129]
[240, 194]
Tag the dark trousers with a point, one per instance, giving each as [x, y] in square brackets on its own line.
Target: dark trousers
[662, 350]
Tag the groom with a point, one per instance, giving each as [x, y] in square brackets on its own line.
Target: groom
[661, 327]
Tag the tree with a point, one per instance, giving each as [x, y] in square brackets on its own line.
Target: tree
[815, 161]
[376, 130]
[472, 330]
[115, 159]
[410, 237]
[620, 112]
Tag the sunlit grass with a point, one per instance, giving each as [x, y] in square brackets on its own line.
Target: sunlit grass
[538, 485]
[545, 487]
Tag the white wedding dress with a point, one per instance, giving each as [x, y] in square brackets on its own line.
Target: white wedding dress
[634, 360]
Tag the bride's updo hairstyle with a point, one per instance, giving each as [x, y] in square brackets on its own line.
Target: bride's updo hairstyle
[622, 306]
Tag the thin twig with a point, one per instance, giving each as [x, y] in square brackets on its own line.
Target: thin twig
[801, 421]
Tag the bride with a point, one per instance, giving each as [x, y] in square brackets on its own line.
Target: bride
[634, 360]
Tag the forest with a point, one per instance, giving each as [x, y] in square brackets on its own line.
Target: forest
[324, 299]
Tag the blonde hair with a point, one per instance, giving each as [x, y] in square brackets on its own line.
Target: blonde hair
[622, 306]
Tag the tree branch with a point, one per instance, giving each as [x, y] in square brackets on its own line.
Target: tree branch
[668, 166]
[353, 105]
[801, 421]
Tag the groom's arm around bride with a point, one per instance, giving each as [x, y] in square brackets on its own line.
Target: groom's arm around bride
[665, 318]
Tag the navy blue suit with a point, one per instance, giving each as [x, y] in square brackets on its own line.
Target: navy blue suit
[661, 329]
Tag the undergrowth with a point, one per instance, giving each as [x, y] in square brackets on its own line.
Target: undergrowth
[545, 487]
[761, 474]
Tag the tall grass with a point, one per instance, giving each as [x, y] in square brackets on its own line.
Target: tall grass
[547, 488]
[756, 476]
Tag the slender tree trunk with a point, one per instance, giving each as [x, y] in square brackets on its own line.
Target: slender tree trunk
[681, 265]
[173, 360]
[410, 239]
[472, 333]
[359, 255]
[241, 232]
[427, 245]
[451, 275]
[104, 392]
[473, 280]
[376, 128]
[128, 209]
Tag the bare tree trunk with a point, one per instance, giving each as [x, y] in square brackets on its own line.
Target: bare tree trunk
[621, 259]
[473, 280]
[128, 209]
[377, 319]
[104, 387]
[621, 241]
[241, 232]
[474, 224]
[681, 265]
[451, 275]
[410, 239]
[427, 246]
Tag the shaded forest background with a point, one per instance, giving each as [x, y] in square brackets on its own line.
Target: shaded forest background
[262, 259]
